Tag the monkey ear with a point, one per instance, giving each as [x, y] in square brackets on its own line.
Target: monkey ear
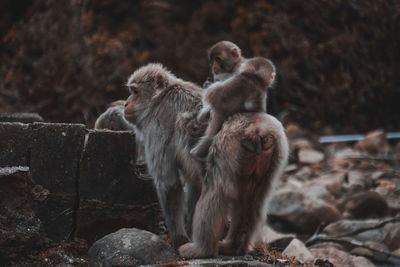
[235, 52]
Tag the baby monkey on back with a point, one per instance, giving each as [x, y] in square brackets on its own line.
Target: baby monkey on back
[244, 91]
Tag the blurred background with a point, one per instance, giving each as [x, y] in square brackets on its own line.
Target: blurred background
[338, 61]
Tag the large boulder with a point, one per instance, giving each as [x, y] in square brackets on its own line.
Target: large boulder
[130, 247]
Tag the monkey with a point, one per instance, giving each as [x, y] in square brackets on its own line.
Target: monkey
[113, 118]
[225, 59]
[243, 165]
[244, 91]
[160, 106]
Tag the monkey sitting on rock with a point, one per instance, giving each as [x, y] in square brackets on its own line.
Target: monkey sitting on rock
[245, 91]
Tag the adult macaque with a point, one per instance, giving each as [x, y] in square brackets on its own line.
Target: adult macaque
[245, 160]
[245, 91]
[159, 106]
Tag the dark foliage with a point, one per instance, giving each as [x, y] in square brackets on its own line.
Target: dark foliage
[338, 61]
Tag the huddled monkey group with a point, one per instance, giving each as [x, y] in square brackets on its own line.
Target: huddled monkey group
[214, 154]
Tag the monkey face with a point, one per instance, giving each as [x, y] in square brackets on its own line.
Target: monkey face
[224, 57]
[223, 62]
[135, 99]
[144, 84]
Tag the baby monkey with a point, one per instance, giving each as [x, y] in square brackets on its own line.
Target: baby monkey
[245, 91]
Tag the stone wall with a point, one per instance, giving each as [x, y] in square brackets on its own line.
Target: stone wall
[62, 181]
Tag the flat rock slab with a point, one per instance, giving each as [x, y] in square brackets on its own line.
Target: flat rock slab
[130, 247]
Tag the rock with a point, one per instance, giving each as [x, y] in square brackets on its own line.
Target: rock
[111, 195]
[332, 182]
[130, 247]
[374, 142]
[297, 249]
[380, 255]
[389, 234]
[296, 145]
[340, 258]
[20, 230]
[385, 186]
[294, 131]
[377, 174]
[21, 117]
[290, 168]
[364, 252]
[322, 263]
[310, 156]
[54, 161]
[356, 180]
[368, 204]
[55, 155]
[14, 144]
[397, 252]
[297, 210]
[226, 262]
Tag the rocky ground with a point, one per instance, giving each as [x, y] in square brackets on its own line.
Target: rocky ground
[337, 204]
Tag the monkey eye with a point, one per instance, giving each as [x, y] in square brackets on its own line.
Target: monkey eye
[218, 60]
[133, 88]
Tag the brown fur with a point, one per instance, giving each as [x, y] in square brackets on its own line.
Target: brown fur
[245, 91]
[239, 181]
